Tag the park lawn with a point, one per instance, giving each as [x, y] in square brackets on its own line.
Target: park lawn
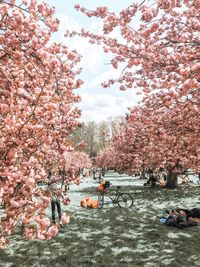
[113, 236]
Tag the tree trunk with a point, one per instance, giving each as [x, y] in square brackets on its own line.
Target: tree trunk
[172, 179]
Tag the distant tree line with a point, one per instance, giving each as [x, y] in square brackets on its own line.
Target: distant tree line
[95, 135]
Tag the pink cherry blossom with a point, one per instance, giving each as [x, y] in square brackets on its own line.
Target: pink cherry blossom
[38, 114]
[65, 218]
[52, 231]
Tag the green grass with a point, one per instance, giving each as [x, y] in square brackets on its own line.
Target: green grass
[114, 237]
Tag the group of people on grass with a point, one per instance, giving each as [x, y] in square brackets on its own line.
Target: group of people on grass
[98, 173]
[182, 218]
[159, 177]
[156, 178]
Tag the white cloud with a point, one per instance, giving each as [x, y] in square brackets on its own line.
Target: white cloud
[98, 107]
[103, 76]
[92, 58]
[103, 100]
[97, 103]
[92, 55]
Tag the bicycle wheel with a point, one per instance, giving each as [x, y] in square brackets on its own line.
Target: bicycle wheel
[100, 201]
[124, 200]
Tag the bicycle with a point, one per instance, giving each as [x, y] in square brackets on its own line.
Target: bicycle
[123, 199]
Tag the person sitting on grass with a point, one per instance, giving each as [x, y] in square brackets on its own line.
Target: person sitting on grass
[152, 179]
[191, 213]
[162, 182]
[185, 179]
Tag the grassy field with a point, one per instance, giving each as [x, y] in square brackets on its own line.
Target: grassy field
[113, 236]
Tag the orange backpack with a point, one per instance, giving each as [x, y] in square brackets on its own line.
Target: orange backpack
[100, 187]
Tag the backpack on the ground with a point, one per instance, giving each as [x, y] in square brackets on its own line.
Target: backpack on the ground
[107, 185]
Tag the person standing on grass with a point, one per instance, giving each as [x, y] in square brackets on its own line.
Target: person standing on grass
[56, 195]
[94, 173]
[103, 172]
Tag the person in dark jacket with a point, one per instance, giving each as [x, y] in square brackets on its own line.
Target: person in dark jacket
[152, 179]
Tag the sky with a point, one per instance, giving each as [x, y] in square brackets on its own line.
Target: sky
[97, 103]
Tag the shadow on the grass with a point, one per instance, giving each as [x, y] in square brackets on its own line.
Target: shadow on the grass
[114, 237]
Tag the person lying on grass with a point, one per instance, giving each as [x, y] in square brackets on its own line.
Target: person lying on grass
[179, 218]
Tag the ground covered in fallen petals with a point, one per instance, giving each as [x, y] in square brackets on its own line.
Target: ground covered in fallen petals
[113, 236]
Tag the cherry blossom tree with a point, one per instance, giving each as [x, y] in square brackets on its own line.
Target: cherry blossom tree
[37, 114]
[174, 132]
[160, 55]
[154, 138]
[74, 162]
[107, 158]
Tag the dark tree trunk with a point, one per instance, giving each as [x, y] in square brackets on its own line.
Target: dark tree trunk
[172, 179]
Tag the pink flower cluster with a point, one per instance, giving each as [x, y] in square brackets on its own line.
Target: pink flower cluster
[37, 114]
[160, 56]
[151, 56]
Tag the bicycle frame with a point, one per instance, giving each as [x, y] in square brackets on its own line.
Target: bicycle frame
[123, 199]
[112, 198]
